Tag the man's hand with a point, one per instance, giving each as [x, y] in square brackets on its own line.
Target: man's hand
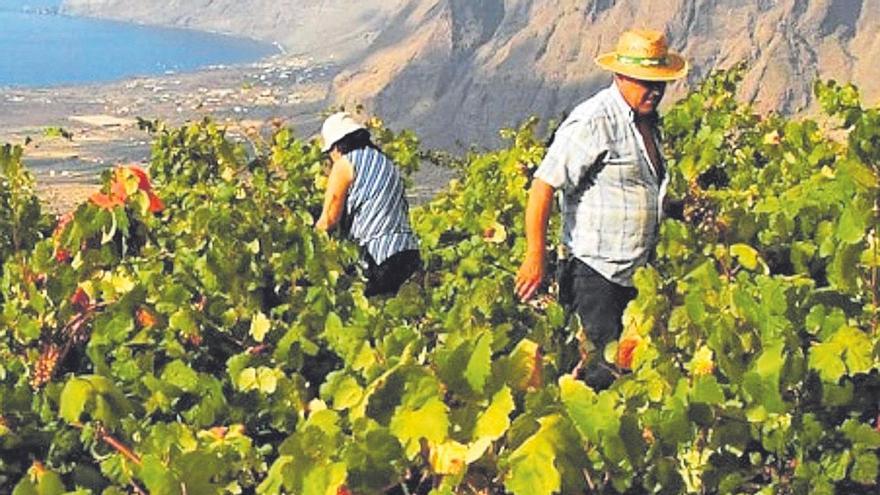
[531, 272]
[530, 276]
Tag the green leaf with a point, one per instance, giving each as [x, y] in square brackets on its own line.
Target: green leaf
[113, 328]
[372, 459]
[262, 379]
[853, 223]
[479, 365]
[47, 483]
[579, 400]
[29, 329]
[157, 478]
[324, 480]
[25, 487]
[861, 434]
[827, 360]
[495, 420]
[843, 272]
[342, 390]
[260, 326]
[274, 482]
[707, 391]
[865, 468]
[747, 256]
[836, 464]
[50, 484]
[180, 375]
[525, 365]
[184, 321]
[533, 465]
[858, 349]
[594, 416]
[74, 397]
[430, 422]
[849, 350]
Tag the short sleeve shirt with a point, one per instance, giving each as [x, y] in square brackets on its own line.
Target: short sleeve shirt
[611, 193]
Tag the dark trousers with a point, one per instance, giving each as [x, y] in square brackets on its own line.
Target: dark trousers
[386, 278]
[599, 303]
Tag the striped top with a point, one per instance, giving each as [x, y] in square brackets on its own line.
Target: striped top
[376, 207]
[612, 195]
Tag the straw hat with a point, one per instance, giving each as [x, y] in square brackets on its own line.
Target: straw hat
[336, 127]
[644, 54]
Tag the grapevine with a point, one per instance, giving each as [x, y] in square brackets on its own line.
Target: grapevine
[187, 330]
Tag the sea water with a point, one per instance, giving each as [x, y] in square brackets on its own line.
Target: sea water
[39, 47]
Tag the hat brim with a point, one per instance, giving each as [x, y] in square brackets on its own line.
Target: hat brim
[327, 146]
[675, 68]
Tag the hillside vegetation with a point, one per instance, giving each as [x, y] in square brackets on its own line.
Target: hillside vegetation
[191, 333]
[457, 70]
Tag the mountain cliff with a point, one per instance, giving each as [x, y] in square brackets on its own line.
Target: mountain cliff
[459, 69]
[324, 29]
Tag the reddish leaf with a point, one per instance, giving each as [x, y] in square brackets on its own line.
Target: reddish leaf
[62, 255]
[143, 178]
[117, 187]
[625, 353]
[105, 201]
[156, 204]
[80, 299]
[145, 318]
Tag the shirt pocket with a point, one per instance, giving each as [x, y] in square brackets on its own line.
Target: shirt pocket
[621, 159]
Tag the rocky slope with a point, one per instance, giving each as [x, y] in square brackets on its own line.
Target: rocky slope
[325, 29]
[456, 70]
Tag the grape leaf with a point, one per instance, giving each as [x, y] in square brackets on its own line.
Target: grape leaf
[260, 326]
[533, 464]
[430, 422]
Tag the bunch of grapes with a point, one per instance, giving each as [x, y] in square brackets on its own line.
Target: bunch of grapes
[44, 369]
[702, 213]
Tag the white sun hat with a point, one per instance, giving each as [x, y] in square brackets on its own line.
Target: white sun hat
[336, 127]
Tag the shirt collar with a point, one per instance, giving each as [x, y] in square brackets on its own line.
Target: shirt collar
[620, 102]
[624, 108]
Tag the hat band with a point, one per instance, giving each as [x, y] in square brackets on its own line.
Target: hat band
[642, 61]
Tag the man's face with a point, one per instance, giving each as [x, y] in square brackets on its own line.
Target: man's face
[642, 96]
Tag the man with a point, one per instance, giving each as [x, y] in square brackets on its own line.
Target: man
[606, 158]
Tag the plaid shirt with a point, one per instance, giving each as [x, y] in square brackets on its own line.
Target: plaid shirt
[612, 196]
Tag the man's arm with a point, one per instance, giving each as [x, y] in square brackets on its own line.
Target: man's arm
[340, 179]
[531, 272]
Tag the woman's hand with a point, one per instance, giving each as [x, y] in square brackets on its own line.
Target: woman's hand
[322, 224]
[340, 179]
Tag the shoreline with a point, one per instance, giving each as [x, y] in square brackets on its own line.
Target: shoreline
[100, 119]
[279, 46]
[74, 131]
[71, 133]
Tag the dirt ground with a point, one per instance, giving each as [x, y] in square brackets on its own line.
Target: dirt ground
[71, 134]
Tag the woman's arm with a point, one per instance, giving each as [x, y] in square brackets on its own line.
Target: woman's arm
[340, 179]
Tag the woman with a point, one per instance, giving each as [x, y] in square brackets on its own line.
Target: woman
[368, 188]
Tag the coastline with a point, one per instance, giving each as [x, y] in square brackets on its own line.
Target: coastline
[73, 132]
[99, 121]
[278, 45]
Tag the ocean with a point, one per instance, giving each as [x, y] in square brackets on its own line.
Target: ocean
[40, 48]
